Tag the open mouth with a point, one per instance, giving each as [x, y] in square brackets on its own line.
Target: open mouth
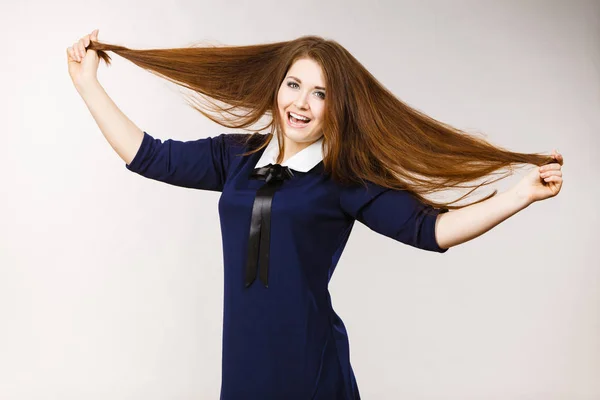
[297, 121]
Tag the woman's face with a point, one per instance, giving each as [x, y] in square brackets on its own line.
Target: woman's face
[302, 92]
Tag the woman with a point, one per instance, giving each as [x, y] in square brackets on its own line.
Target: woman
[341, 148]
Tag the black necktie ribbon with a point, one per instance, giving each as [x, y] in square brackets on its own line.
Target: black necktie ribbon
[260, 226]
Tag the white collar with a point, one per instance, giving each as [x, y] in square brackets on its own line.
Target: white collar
[303, 161]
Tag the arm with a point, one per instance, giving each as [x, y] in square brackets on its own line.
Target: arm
[122, 134]
[467, 223]
[198, 164]
[396, 214]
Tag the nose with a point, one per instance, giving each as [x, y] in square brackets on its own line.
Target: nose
[301, 101]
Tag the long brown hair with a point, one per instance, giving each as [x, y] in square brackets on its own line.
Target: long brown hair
[370, 134]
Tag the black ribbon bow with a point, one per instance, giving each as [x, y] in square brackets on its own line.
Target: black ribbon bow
[260, 226]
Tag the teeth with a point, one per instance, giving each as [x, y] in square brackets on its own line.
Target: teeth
[299, 116]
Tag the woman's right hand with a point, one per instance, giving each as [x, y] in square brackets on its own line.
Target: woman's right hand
[83, 64]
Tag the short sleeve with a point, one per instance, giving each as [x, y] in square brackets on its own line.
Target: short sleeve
[397, 214]
[197, 164]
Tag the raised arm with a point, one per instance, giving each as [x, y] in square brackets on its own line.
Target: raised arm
[199, 164]
[122, 134]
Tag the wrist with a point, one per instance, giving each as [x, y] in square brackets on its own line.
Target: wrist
[522, 198]
[86, 84]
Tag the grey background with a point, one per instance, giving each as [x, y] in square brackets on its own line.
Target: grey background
[111, 284]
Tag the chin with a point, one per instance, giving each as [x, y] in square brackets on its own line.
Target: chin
[299, 137]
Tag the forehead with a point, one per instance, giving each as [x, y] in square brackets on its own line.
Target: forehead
[308, 70]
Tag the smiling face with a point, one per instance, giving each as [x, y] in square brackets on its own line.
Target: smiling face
[302, 93]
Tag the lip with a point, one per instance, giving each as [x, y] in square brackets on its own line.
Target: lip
[305, 116]
[292, 125]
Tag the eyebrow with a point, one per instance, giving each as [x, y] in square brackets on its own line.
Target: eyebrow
[316, 87]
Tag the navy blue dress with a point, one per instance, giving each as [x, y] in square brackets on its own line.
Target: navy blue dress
[284, 341]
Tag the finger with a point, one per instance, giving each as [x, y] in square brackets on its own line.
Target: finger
[557, 156]
[550, 173]
[550, 167]
[74, 51]
[81, 48]
[93, 36]
[557, 179]
[71, 54]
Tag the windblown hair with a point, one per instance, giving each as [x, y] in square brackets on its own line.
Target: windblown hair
[370, 135]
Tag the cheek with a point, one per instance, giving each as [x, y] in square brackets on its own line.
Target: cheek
[284, 98]
[318, 108]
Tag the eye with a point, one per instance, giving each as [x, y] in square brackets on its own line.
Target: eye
[322, 94]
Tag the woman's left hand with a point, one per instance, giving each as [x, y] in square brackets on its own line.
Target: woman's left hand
[542, 182]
